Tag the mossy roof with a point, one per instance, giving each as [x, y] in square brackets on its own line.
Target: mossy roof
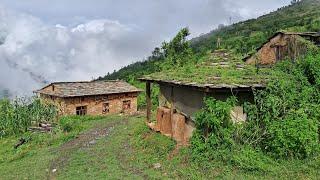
[219, 69]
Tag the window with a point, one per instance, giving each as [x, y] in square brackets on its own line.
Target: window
[52, 87]
[105, 108]
[81, 110]
[126, 105]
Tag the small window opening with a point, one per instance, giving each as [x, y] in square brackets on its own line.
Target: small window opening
[105, 108]
[81, 110]
[126, 105]
[52, 87]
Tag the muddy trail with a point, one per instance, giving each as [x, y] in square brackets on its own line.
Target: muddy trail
[82, 141]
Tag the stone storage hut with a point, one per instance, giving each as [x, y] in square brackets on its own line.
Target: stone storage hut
[283, 45]
[182, 94]
[91, 98]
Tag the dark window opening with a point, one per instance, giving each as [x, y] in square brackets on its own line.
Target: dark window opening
[52, 87]
[81, 110]
[126, 105]
[105, 108]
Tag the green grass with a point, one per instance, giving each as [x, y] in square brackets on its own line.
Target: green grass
[211, 70]
[130, 151]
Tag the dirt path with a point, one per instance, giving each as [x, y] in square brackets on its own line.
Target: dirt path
[82, 141]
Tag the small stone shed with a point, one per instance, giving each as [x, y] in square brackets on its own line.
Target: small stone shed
[182, 96]
[283, 45]
[91, 98]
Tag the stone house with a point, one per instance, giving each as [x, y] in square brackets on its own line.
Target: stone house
[91, 98]
[178, 103]
[181, 98]
[282, 45]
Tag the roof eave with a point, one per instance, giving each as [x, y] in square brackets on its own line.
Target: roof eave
[66, 96]
[207, 87]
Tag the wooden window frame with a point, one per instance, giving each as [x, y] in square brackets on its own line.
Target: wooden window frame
[105, 108]
[126, 105]
[81, 110]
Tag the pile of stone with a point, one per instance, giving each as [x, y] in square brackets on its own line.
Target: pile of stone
[42, 127]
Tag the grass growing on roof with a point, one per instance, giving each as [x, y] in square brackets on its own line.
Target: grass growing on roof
[220, 67]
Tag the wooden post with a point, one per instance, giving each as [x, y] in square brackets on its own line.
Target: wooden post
[172, 109]
[149, 103]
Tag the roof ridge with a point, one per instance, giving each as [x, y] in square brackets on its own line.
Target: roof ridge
[68, 82]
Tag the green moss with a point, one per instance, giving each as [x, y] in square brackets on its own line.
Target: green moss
[220, 67]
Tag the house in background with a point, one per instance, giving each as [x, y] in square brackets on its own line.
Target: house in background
[91, 98]
[283, 45]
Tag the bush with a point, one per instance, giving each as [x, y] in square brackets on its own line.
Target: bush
[286, 115]
[295, 136]
[283, 122]
[214, 128]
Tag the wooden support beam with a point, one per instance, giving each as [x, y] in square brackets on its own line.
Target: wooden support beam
[149, 103]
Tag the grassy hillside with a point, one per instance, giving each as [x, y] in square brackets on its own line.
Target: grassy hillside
[248, 35]
[121, 147]
[242, 37]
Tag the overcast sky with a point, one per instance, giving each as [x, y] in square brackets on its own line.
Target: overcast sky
[73, 40]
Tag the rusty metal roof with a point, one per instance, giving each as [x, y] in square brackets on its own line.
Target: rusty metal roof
[77, 89]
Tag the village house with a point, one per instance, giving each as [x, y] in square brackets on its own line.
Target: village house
[283, 45]
[181, 97]
[222, 76]
[91, 98]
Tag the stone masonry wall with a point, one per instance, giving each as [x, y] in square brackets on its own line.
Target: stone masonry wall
[95, 104]
[267, 54]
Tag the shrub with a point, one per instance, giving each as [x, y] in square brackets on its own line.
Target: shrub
[294, 136]
[286, 115]
[214, 127]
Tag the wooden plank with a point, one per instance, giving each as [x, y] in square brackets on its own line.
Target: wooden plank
[149, 103]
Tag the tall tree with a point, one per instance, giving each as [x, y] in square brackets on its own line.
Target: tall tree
[178, 51]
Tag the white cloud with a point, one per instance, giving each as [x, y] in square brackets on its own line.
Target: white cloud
[33, 51]
[77, 40]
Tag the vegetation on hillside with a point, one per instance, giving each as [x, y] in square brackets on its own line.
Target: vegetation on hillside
[283, 122]
[243, 37]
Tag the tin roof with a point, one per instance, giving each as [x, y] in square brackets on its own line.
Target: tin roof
[87, 88]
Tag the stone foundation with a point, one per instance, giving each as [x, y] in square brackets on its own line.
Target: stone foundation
[173, 125]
